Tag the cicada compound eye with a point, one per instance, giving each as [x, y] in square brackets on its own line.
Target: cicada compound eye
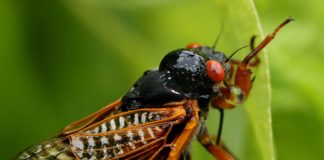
[215, 71]
[193, 45]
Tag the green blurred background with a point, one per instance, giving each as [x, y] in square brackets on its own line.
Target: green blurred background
[61, 60]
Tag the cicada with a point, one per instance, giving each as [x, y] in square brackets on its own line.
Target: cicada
[163, 111]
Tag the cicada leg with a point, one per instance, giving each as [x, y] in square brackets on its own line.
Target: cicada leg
[254, 63]
[234, 62]
[219, 152]
[180, 142]
[235, 92]
[243, 73]
[256, 60]
[187, 156]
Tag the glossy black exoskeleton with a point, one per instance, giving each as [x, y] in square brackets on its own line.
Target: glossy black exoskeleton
[163, 110]
[182, 74]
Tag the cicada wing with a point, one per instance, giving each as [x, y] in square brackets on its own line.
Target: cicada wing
[55, 148]
[59, 146]
[136, 134]
[92, 118]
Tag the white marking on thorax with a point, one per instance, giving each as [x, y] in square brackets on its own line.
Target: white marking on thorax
[112, 124]
[121, 122]
[174, 90]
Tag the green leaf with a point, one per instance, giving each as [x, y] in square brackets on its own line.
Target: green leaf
[296, 65]
[76, 56]
[247, 131]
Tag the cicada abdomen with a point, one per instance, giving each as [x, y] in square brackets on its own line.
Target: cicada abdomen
[51, 149]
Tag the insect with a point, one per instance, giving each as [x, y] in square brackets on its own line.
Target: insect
[163, 111]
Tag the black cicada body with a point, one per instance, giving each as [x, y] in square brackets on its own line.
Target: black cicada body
[162, 112]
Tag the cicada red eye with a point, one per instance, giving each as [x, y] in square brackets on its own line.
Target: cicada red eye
[215, 71]
[193, 45]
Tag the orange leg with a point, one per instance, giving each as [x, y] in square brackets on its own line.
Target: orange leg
[254, 63]
[216, 150]
[256, 60]
[178, 146]
[236, 92]
[243, 73]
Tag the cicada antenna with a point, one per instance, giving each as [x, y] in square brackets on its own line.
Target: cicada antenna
[229, 58]
[218, 36]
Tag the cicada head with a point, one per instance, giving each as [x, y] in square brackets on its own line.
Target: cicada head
[216, 62]
[219, 70]
[196, 71]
